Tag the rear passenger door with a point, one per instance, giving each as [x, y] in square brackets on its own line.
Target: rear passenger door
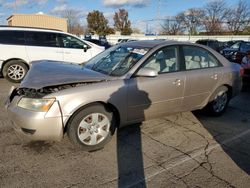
[203, 73]
[43, 46]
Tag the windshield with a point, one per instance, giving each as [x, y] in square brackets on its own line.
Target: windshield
[117, 60]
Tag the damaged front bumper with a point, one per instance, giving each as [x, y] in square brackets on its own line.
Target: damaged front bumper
[35, 125]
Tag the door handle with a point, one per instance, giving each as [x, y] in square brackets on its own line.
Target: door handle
[214, 76]
[177, 82]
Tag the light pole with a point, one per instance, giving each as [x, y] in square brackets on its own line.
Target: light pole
[191, 24]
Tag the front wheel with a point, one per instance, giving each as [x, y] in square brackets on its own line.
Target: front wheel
[91, 128]
[14, 71]
[220, 102]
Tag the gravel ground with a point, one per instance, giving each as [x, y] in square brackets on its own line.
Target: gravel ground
[182, 150]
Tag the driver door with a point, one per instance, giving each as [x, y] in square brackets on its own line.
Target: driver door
[73, 49]
[150, 97]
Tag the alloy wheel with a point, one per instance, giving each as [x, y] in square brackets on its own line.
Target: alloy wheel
[93, 129]
[220, 102]
[16, 72]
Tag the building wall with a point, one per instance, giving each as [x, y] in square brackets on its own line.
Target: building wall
[38, 20]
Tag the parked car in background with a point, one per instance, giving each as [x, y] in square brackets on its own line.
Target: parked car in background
[227, 44]
[214, 44]
[236, 52]
[126, 84]
[100, 43]
[19, 46]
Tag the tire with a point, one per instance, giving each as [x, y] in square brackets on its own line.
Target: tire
[15, 71]
[91, 128]
[219, 103]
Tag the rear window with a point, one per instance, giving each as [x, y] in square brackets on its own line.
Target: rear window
[12, 37]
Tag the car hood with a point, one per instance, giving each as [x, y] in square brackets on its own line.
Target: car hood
[52, 73]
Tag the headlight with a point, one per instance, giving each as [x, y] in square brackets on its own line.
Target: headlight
[38, 105]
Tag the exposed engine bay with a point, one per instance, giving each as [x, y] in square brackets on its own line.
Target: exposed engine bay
[39, 93]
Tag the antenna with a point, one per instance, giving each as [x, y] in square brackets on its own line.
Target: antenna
[157, 18]
[15, 6]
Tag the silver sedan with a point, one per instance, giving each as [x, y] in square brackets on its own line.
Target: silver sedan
[126, 84]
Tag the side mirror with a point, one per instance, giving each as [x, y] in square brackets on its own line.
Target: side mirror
[85, 48]
[147, 72]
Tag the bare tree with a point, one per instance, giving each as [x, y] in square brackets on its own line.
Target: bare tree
[122, 23]
[239, 17]
[136, 30]
[191, 20]
[77, 29]
[247, 30]
[215, 14]
[173, 26]
[73, 19]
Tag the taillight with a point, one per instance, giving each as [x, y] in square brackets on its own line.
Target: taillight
[241, 71]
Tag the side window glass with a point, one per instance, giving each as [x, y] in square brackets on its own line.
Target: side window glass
[198, 58]
[163, 60]
[42, 39]
[72, 42]
[12, 37]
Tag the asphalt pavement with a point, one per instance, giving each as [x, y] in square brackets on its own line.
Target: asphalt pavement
[182, 150]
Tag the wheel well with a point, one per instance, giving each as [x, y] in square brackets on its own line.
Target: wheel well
[107, 106]
[17, 59]
[230, 90]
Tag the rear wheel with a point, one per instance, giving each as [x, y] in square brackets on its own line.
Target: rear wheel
[91, 128]
[220, 102]
[14, 71]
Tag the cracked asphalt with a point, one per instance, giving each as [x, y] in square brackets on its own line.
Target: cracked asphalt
[181, 150]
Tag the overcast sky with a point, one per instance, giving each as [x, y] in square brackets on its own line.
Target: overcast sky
[139, 10]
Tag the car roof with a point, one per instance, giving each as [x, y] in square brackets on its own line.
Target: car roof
[161, 43]
[210, 40]
[152, 43]
[20, 28]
